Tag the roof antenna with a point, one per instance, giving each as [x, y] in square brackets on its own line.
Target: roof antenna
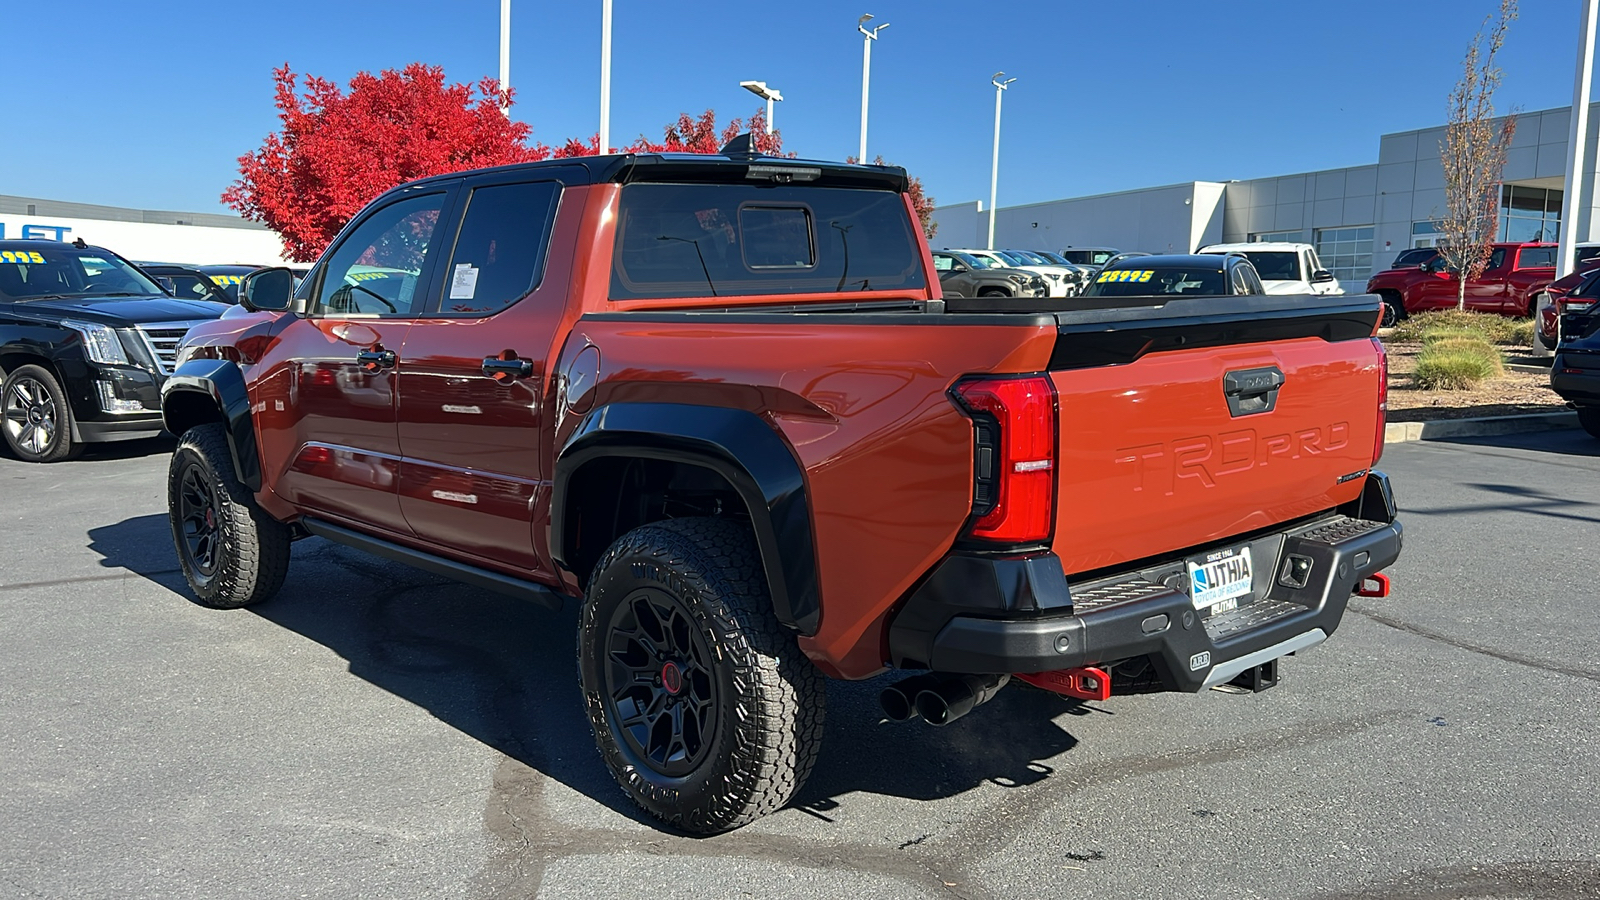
[743, 145]
[78, 242]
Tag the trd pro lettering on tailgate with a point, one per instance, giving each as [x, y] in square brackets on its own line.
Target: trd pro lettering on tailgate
[1201, 460]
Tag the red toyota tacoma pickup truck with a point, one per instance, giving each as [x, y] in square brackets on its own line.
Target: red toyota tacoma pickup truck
[1516, 272]
[718, 403]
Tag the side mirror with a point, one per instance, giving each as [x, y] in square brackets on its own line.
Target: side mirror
[267, 290]
[1321, 276]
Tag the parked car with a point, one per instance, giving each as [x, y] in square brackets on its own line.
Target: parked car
[1575, 371]
[1516, 272]
[1060, 280]
[1199, 275]
[750, 495]
[186, 282]
[86, 341]
[1093, 257]
[962, 275]
[1284, 267]
[1575, 292]
[1077, 276]
[227, 277]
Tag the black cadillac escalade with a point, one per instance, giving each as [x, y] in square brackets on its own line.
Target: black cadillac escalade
[86, 341]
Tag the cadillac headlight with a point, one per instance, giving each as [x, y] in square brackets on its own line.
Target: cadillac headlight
[100, 342]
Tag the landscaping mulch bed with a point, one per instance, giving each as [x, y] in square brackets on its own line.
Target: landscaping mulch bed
[1511, 394]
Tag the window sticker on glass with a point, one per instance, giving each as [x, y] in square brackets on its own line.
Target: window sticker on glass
[464, 282]
[1140, 275]
[22, 256]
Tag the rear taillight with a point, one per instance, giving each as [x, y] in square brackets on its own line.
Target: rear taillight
[1383, 399]
[1014, 457]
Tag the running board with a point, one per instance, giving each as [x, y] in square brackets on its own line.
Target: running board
[438, 565]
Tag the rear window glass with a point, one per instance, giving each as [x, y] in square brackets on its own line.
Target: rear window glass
[1148, 282]
[1537, 258]
[1275, 265]
[704, 240]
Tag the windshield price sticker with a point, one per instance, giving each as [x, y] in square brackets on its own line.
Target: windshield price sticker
[22, 256]
[1221, 577]
[221, 280]
[1140, 275]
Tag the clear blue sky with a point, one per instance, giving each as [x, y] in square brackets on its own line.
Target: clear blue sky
[149, 104]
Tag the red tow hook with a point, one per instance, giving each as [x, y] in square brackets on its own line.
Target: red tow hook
[1087, 683]
[1374, 585]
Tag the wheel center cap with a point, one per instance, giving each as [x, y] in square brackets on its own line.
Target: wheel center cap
[672, 678]
[35, 415]
[211, 520]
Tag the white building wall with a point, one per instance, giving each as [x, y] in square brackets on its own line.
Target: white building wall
[144, 241]
[1159, 220]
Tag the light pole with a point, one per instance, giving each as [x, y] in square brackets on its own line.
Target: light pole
[505, 53]
[605, 76]
[1577, 158]
[760, 89]
[994, 171]
[866, 75]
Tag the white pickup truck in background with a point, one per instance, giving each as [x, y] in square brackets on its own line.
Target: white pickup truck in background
[1285, 268]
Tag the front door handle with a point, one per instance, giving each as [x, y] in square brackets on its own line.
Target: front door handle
[376, 359]
[507, 366]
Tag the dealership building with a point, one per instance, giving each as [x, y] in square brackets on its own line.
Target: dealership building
[142, 235]
[1358, 218]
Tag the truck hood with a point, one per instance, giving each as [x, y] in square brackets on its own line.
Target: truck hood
[123, 311]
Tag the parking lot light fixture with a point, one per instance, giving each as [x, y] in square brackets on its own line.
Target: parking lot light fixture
[866, 75]
[994, 170]
[505, 54]
[760, 89]
[605, 76]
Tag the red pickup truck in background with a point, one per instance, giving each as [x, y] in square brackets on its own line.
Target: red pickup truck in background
[719, 405]
[1516, 272]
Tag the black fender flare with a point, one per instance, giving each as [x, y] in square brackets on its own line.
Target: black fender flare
[222, 384]
[738, 445]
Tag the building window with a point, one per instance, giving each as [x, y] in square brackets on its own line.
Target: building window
[1529, 214]
[1288, 237]
[1425, 234]
[1347, 252]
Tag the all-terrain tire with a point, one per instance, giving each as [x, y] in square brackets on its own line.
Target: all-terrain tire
[1393, 311]
[993, 292]
[760, 702]
[37, 422]
[232, 552]
[1589, 418]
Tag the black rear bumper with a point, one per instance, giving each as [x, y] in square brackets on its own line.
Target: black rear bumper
[977, 614]
[1575, 375]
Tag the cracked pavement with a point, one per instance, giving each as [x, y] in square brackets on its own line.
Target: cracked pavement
[376, 731]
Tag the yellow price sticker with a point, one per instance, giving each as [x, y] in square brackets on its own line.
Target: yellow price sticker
[22, 256]
[1120, 275]
[225, 279]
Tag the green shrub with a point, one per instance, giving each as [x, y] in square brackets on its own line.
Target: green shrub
[1435, 335]
[1457, 363]
[1495, 329]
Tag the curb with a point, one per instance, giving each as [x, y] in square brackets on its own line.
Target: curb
[1528, 368]
[1442, 429]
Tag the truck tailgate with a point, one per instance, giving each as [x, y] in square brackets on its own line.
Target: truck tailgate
[1185, 426]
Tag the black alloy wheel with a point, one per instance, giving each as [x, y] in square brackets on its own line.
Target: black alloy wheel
[197, 520]
[660, 688]
[1392, 313]
[703, 707]
[34, 416]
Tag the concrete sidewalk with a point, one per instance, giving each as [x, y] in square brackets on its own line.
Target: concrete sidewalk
[1442, 429]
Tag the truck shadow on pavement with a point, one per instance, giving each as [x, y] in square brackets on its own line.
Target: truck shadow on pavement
[503, 672]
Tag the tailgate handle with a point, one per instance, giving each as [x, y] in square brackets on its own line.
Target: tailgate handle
[1251, 391]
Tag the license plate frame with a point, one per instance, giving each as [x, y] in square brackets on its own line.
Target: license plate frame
[1221, 581]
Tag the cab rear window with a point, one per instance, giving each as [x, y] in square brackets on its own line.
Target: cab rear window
[721, 240]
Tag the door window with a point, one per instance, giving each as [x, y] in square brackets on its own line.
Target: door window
[375, 270]
[1536, 257]
[499, 253]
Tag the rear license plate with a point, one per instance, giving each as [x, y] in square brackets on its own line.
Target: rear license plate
[1217, 580]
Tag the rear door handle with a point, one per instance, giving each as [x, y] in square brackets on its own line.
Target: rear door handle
[375, 359]
[1250, 391]
[507, 366]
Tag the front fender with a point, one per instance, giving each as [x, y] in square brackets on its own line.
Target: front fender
[737, 444]
[206, 390]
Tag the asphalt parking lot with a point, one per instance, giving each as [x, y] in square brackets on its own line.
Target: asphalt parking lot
[378, 732]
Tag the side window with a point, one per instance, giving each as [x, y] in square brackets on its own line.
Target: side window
[499, 253]
[376, 268]
[1241, 284]
[1536, 257]
[1496, 259]
[943, 263]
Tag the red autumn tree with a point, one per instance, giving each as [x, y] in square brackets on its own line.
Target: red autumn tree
[921, 202]
[337, 150]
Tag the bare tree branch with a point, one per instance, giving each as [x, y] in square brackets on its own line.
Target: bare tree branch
[1473, 154]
